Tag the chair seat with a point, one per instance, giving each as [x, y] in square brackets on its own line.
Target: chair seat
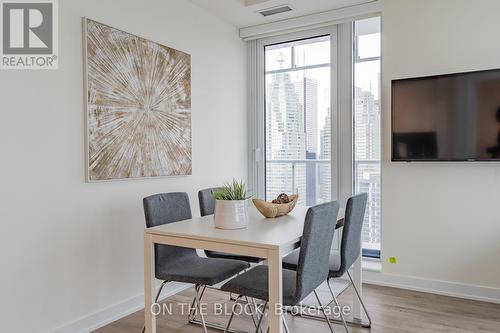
[291, 262]
[198, 270]
[224, 255]
[254, 283]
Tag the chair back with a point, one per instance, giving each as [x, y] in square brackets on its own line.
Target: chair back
[207, 201]
[162, 209]
[314, 255]
[350, 247]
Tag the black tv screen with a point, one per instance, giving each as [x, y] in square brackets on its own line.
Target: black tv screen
[454, 117]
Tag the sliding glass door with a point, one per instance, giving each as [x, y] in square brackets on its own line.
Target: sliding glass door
[298, 119]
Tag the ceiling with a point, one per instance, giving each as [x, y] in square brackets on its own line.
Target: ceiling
[243, 13]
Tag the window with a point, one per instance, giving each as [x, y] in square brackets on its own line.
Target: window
[297, 120]
[366, 127]
[315, 129]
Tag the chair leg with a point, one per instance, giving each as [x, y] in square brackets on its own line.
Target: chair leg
[323, 310]
[159, 290]
[193, 303]
[156, 300]
[200, 290]
[192, 310]
[256, 307]
[338, 305]
[287, 330]
[253, 306]
[260, 320]
[360, 300]
[232, 314]
[198, 301]
[284, 324]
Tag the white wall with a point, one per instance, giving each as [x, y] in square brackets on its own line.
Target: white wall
[68, 248]
[441, 220]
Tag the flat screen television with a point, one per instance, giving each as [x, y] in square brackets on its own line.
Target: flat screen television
[453, 117]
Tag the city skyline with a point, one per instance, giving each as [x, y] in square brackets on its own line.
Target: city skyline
[298, 136]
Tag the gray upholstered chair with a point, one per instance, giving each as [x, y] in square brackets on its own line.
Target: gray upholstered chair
[180, 264]
[312, 268]
[207, 207]
[350, 249]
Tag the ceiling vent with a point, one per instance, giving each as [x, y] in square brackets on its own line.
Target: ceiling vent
[275, 10]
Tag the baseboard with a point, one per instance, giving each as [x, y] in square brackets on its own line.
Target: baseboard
[467, 291]
[114, 312]
[136, 303]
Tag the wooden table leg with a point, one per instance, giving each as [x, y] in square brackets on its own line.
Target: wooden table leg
[275, 291]
[149, 283]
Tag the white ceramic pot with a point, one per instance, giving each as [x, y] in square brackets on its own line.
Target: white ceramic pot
[231, 214]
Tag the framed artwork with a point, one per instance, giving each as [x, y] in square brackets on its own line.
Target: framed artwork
[138, 106]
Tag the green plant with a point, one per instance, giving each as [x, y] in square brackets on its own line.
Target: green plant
[236, 190]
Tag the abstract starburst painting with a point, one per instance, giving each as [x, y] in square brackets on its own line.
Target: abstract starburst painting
[138, 106]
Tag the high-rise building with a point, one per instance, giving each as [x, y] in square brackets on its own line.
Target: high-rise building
[367, 152]
[285, 138]
[307, 91]
[324, 170]
[367, 126]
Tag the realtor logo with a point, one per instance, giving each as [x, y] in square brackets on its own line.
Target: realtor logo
[29, 34]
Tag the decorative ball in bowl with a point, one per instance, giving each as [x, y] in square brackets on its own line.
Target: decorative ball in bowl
[282, 205]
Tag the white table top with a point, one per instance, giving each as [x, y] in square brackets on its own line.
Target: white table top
[261, 232]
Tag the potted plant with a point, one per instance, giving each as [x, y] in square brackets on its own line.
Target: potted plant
[231, 206]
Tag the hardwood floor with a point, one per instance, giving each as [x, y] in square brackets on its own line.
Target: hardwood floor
[392, 310]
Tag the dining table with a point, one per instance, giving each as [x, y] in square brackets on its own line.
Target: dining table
[267, 238]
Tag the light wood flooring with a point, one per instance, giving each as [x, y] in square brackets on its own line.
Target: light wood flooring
[392, 310]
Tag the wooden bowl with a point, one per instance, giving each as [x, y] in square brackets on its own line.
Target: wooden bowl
[271, 210]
